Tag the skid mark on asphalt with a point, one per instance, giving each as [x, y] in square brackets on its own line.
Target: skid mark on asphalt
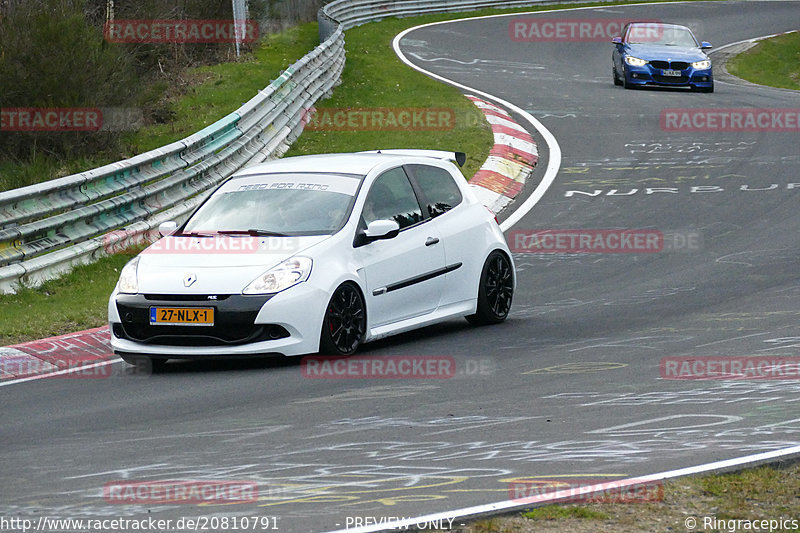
[546, 308]
[580, 367]
[722, 393]
[515, 65]
[453, 424]
[366, 393]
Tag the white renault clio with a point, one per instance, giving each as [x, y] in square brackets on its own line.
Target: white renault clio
[315, 254]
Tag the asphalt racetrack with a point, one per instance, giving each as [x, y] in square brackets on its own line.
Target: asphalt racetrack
[575, 383]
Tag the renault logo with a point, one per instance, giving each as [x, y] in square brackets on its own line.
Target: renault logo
[189, 279]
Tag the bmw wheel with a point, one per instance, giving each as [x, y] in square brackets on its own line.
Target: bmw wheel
[616, 76]
[495, 291]
[345, 322]
[625, 82]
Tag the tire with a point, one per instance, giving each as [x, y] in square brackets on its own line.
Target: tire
[495, 291]
[625, 82]
[143, 363]
[616, 76]
[345, 322]
[697, 89]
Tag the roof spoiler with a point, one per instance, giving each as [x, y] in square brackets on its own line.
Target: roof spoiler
[458, 157]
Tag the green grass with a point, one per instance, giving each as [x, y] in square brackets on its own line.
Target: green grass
[74, 302]
[42, 167]
[774, 62]
[557, 512]
[216, 91]
[734, 494]
[375, 77]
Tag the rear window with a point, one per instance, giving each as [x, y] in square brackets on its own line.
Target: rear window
[441, 192]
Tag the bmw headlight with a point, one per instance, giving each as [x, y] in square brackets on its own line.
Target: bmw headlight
[128, 283]
[287, 274]
[635, 61]
[701, 65]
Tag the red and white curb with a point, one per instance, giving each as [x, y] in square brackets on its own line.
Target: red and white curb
[82, 353]
[511, 160]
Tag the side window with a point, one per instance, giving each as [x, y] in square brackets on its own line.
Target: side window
[392, 198]
[441, 192]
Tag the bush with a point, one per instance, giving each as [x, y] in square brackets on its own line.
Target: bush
[51, 57]
[53, 53]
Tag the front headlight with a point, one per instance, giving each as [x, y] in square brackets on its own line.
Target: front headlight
[701, 65]
[128, 284]
[635, 61]
[289, 273]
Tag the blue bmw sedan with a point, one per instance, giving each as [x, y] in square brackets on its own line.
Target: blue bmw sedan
[658, 54]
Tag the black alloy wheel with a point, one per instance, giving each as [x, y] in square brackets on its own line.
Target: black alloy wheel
[345, 322]
[495, 292]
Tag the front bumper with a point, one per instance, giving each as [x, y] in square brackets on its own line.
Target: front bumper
[286, 323]
[649, 75]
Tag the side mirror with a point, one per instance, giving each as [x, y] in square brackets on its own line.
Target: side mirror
[705, 45]
[167, 228]
[377, 230]
[382, 229]
[617, 40]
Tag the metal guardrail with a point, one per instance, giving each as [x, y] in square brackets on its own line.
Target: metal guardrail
[351, 13]
[47, 228]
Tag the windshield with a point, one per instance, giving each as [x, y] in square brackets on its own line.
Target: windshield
[277, 204]
[663, 35]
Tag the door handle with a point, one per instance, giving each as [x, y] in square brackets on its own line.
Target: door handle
[431, 241]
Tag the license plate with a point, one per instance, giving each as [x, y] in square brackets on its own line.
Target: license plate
[671, 72]
[183, 316]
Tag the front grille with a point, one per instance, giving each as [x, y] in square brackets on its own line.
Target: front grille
[234, 317]
[186, 297]
[678, 80]
[674, 65]
[188, 335]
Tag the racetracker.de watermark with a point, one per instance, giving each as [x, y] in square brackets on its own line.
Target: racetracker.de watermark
[588, 490]
[379, 119]
[598, 241]
[581, 30]
[379, 367]
[731, 120]
[51, 119]
[71, 367]
[180, 492]
[730, 368]
[223, 244]
[210, 242]
[180, 31]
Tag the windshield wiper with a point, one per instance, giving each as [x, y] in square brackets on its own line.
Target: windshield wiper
[252, 232]
[193, 234]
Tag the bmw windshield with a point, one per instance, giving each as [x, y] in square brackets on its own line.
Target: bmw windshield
[661, 35]
[277, 205]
